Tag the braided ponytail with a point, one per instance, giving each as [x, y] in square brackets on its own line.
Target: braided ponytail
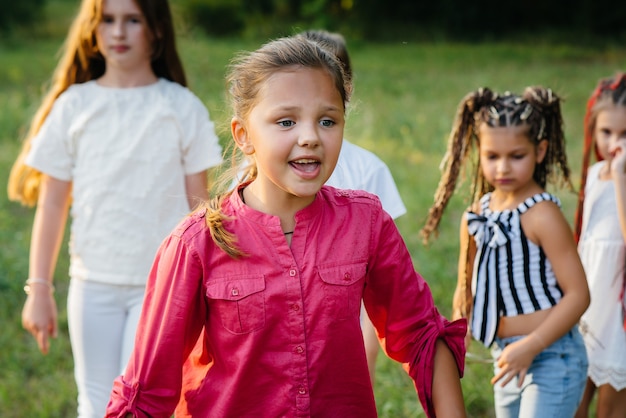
[548, 125]
[460, 142]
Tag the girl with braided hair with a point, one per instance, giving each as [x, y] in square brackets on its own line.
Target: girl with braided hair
[528, 287]
[601, 234]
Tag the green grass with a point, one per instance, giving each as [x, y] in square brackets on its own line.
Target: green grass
[405, 98]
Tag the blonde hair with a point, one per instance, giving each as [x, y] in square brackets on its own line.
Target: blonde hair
[538, 109]
[81, 61]
[247, 75]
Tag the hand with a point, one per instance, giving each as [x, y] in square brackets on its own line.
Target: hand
[39, 316]
[618, 152]
[515, 360]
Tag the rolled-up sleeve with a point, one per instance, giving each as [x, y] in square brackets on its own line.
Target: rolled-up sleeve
[421, 368]
[401, 307]
[171, 320]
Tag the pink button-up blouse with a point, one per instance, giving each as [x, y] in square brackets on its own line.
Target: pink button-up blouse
[277, 333]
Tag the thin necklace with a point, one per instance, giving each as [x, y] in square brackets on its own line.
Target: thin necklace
[244, 201]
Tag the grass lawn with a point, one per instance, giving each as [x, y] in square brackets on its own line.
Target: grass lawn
[405, 98]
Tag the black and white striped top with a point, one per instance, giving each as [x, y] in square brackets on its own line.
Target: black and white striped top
[511, 275]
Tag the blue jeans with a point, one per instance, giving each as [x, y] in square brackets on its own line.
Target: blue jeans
[554, 384]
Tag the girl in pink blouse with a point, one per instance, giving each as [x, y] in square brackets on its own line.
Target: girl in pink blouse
[253, 303]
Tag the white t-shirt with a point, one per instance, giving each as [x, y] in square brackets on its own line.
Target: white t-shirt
[360, 169]
[126, 152]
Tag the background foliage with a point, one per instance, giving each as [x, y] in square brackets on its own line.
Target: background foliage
[372, 19]
[375, 20]
[405, 98]
[17, 13]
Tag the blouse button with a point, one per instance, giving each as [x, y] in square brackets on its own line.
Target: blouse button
[346, 276]
[295, 307]
[299, 349]
[302, 390]
[292, 272]
[234, 292]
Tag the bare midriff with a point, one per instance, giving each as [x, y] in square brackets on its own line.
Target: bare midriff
[511, 326]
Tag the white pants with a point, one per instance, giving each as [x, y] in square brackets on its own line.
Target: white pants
[102, 321]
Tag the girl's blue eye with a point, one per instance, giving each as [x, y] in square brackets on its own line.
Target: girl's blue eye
[286, 123]
[327, 122]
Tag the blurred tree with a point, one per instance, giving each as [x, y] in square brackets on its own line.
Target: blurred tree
[479, 19]
[215, 17]
[20, 13]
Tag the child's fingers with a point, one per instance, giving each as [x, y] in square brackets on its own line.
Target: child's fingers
[502, 373]
[520, 378]
[505, 374]
[618, 147]
[41, 333]
[53, 329]
[42, 340]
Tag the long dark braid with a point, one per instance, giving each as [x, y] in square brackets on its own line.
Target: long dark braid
[547, 109]
[460, 142]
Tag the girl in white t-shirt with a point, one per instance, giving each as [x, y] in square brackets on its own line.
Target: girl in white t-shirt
[122, 139]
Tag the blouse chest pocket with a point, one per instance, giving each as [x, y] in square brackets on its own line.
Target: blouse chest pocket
[239, 303]
[343, 289]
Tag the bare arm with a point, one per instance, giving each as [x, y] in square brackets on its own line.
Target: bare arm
[447, 392]
[555, 237]
[197, 188]
[39, 315]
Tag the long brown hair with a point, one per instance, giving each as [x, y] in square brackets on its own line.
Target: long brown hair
[248, 73]
[537, 108]
[609, 92]
[81, 61]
